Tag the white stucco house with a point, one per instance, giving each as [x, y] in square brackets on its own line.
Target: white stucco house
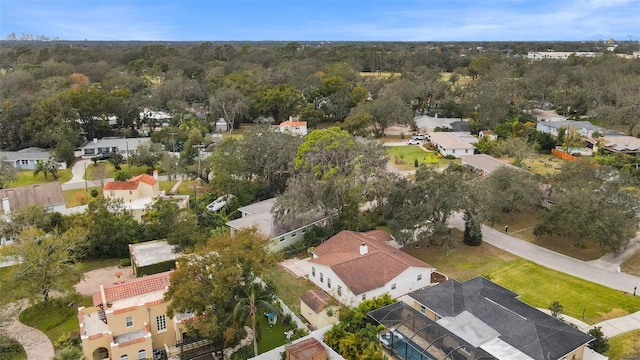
[105, 146]
[260, 215]
[450, 144]
[293, 127]
[353, 267]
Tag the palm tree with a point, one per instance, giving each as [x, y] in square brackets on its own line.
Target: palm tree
[48, 166]
[69, 353]
[252, 297]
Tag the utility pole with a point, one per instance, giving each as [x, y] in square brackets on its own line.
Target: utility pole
[199, 147]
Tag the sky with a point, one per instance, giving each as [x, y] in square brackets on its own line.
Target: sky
[323, 20]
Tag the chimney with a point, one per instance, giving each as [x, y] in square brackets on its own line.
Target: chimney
[95, 140]
[5, 205]
[155, 174]
[364, 249]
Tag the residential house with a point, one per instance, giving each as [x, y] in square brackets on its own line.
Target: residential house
[140, 192]
[484, 164]
[318, 308]
[128, 320]
[617, 144]
[103, 148]
[559, 55]
[478, 319]
[426, 123]
[152, 257]
[293, 127]
[547, 115]
[450, 144]
[353, 267]
[584, 128]
[488, 134]
[260, 215]
[48, 195]
[28, 158]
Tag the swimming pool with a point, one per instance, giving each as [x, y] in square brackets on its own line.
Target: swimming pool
[407, 349]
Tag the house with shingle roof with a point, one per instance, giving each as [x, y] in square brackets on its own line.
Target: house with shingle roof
[484, 164]
[103, 148]
[129, 320]
[318, 308]
[451, 144]
[480, 319]
[28, 158]
[621, 144]
[353, 267]
[48, 195]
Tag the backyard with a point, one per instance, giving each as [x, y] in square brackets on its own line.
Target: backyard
[26, 177]
[288, 288]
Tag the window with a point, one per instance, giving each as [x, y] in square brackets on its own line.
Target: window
[293, 235]
[304, 231]
[282, 239]
[321, 278]
[130, 192]
[419, 277]
[161, 323]
[423, 309]
[339, 290]
[466, 151]
[313, 271]
[329, 283]
[129, 321]
[112, 193]
[24, 162]
[142, 354]
[364, 297]
[124, 357]
[393, 286]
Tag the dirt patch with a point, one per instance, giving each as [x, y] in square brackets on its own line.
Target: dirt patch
[104, 276]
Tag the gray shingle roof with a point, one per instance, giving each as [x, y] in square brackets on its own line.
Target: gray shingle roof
[47, 194]
[527, 329]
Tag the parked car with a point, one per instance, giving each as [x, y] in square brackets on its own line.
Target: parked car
[419, 137]
[219, 203]
[413, 142]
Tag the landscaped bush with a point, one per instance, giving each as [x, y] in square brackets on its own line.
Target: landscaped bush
[11, 349]
[125, 262]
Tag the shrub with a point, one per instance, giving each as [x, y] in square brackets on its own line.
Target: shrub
[415, 163]
[94, 193]
[125, 262]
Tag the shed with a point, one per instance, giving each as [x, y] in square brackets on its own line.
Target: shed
[221, 125]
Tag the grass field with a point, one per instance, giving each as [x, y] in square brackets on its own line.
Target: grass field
[105, 170]
[56, 318]
[632, 265]
[543, 164]
[185, 188]
[270, 336]
[404, 157]
[288, 288]
[537, 285]
[26, 177]
[78, 197]
[624, 346]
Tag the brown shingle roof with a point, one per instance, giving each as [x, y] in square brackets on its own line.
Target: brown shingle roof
[306, 349]
[47, 194]
[137, 287]
[317, 300]
[362, 273]
[131, 184]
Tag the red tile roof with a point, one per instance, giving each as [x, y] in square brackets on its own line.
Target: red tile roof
[131, 184]
[137, 287]
[293, 123]
[306, 349]
[362, 273]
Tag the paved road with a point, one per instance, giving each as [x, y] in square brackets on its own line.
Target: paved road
[556, 261]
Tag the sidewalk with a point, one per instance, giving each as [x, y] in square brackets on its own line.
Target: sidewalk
[36, 344]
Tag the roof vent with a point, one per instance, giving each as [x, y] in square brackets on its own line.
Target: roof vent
[364, 249]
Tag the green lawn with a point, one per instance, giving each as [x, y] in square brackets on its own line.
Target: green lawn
[107, 170]
[56, 318]
[270, 337]
[11, 349]
[632, 265]
[404, 157]
[288, 288]
[537, 285]
[185, 188]
[79, 197]
[624, 346]
[93, 264]
[26, 177]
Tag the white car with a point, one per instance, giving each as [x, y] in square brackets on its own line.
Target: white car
[419, 137]
[413, 142]
[220, 202]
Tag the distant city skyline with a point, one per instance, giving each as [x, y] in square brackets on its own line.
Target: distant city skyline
[322, 20]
